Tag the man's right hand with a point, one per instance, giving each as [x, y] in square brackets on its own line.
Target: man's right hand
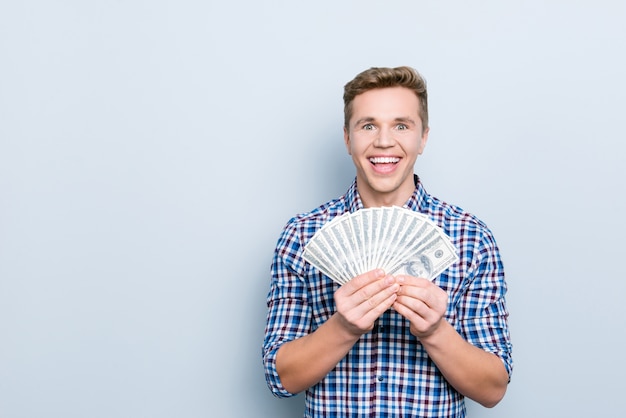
[303, 362]
[363, 299]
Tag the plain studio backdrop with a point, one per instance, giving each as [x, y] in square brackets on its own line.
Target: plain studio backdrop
[152, 151]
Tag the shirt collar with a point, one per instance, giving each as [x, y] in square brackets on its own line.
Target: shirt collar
[418, 201]
[353, 199]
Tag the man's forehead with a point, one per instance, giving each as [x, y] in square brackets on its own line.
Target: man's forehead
[386, 99]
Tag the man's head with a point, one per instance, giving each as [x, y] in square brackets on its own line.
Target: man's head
[385, 131]
[381, 77]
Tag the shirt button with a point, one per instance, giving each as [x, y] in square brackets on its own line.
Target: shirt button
[380, 378]
[381, 328]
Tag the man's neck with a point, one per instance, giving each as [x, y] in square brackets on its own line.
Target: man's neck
[371, 200]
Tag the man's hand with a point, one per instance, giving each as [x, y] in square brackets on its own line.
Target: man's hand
[363, 299]
[422, 302]
[474, 372]
[303, 362]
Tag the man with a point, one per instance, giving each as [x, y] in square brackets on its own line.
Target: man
[382, 345]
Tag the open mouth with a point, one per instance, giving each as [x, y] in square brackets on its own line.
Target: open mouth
[384, 160]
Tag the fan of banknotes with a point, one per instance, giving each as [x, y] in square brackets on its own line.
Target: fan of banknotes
[395, 239]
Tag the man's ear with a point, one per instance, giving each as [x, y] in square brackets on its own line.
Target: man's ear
[423, 140]
[346, 139]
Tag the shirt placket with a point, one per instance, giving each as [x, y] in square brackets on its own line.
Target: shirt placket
[380, 372]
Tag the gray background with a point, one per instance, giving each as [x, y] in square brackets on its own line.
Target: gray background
[151, 152]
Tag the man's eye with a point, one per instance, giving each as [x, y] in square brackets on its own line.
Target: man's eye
[402, 127]
[368, 127]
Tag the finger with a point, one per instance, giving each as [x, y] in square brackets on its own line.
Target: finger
[360, 312]
[369, 302]
[418, 321]
[413, 281]
[363, 280]
[373, 308]
[423, 296]
[424, 290]
[364, 286]
[375, 294]
[370, 295]
[413, 307]
[376, 308]
[417, 304]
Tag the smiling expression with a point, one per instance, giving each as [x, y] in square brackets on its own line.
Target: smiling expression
[384, 137]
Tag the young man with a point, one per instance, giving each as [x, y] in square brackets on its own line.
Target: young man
[382, 345]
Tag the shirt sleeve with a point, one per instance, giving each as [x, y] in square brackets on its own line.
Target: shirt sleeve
[482, 313]
[289, 314]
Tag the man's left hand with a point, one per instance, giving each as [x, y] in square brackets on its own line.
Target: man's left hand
[422, 302]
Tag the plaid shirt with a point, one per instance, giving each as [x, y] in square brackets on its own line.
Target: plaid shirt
[387, 373]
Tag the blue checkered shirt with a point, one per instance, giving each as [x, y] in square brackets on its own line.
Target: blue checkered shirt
[387, 373]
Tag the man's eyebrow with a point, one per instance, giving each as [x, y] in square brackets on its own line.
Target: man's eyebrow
[364, 120]
[368, 119]
[405, 119]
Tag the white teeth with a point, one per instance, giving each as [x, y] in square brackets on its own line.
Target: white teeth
[384, 160]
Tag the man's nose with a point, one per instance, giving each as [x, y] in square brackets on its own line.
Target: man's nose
[384, 139]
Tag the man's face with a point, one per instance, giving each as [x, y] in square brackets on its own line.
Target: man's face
[384, 138]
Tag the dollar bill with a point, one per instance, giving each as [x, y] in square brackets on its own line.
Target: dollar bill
[395, 239]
